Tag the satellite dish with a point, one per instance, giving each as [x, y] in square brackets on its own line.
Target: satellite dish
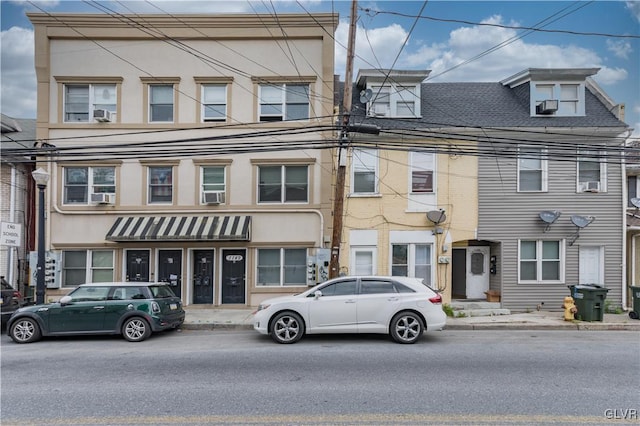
[635, 202]
[436, 216]
[550, 216]
[366, 95]
[582, 221]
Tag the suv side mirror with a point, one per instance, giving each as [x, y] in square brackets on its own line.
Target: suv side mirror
[65, 300]
[317, 294]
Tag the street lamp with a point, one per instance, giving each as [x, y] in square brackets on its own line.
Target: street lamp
[42, 178]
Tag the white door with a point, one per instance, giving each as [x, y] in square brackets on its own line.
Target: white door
[335, 310]
[591, 267]
[477, 272]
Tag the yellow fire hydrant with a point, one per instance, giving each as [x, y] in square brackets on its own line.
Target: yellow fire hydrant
[570, 309]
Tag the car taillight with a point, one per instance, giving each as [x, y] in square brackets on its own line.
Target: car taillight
[155, 307]
[437, 299]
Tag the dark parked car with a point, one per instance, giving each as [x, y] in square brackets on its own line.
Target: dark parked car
[133, 309]
[10, 300]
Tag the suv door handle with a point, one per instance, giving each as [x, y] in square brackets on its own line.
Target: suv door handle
[98, 307]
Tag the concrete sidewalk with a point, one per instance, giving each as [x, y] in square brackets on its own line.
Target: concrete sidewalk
[198, 318]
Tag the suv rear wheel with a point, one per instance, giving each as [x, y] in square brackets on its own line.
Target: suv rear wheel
[406, 327]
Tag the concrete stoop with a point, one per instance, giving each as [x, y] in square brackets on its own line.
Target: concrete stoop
[477, 308]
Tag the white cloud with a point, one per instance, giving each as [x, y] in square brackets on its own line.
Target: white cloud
[18, 73]
[375, 48]
[620, 48]
[486, 53]
[634, 7]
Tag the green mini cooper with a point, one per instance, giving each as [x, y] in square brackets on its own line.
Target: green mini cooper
[133, 309]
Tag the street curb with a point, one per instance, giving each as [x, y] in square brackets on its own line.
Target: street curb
[216, 326]
[558, 327]
[467, 327]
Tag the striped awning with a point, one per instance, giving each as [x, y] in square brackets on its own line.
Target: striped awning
[176, 228]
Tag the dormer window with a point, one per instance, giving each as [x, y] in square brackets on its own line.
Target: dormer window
[554, 92]
[559, 99]
[391, 93]
[394, 100]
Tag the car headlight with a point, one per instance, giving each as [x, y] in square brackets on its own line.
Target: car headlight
[262, 307]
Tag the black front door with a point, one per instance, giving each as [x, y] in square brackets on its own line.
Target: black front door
[203, 276]
[459, 274]
[138, 265]
[170, 269]
[233, 276]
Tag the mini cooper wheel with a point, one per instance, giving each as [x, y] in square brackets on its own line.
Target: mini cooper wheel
[25, 330]
[287, 327]
[136, 329]
[406, 327]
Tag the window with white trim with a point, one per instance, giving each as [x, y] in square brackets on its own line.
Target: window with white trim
[214, 102]
[363, 260]
[281, 267]
[161, 101]
[160, 184]
[395, 100]
[412, 260]
[422, 172]
[87, 266]
[532, 169]
[283, 184]
[591, 171]
[364, 171]
[567, 97]
[81, 100]
[283, 102]
[212, 180]
[79, 182]
[540, 261]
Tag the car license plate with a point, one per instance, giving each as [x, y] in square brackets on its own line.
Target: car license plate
[173, 306]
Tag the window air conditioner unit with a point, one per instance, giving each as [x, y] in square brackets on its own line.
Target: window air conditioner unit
[102, 198]
[593, 186]
[213, 197]
[379, 110]
[102, 115]
[547, 107]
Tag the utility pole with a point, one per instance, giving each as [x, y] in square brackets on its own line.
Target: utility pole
[343, 138]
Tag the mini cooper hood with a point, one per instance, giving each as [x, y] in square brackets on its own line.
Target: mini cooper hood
[36, 308]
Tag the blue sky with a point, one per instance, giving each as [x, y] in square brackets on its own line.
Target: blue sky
[457, 40]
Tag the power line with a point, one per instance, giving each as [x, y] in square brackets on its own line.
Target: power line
[513, 27]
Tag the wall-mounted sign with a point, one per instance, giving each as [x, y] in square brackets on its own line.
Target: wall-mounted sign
[10, 234]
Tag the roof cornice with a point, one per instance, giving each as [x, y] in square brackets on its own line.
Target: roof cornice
[549, 74]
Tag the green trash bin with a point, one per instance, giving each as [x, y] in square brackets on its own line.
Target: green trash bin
[635, 297]
[589, 300]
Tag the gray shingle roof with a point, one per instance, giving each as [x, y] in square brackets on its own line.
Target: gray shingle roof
[484, 105]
